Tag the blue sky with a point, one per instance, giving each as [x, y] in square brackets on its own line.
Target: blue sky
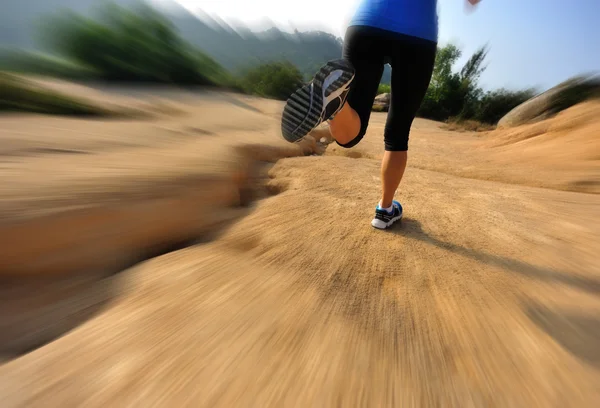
[533, 43]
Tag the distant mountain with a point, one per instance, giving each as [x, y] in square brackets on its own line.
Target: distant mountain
[235, 48]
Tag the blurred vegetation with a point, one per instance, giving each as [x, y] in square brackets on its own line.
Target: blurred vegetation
[467, 126]
[575, 90]
[137, 45]
[276, 80]
[22, 62]
[142, 45]
[17, 95]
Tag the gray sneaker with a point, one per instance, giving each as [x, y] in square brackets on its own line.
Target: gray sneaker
[318, 101]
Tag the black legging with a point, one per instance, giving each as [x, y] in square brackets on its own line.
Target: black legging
[412, 60]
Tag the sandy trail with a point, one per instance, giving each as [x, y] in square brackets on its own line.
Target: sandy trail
[561, 153]
[487, 294]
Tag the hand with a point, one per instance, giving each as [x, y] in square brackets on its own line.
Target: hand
[470, 5]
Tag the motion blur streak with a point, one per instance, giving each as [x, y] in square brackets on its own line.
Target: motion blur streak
[162, 245]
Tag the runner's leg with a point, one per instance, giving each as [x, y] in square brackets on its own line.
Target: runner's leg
[362, 49]
[412, 66]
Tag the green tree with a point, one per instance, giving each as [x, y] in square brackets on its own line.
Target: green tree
[273, 80]
[443, 97]
[458, 94]
[470, 91]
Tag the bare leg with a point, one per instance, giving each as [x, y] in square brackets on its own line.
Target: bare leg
[392, 170]
[345, 126]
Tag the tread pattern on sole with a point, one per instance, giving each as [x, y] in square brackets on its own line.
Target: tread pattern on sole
[304, 108]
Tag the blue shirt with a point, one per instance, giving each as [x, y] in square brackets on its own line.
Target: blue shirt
[417, 18]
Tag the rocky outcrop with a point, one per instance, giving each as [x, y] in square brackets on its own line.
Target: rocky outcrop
[67, 254]
[554, 100]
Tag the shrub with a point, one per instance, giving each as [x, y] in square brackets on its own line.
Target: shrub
[576, 90]
[127, 45]
[495, 104]
[20, 96]
[384, 88]
[39, 64]
[276, 80]
[457, 94]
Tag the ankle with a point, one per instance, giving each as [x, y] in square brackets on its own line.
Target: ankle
[386, 205]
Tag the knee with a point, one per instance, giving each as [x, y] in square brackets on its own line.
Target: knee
[396, 140]
[394, 146]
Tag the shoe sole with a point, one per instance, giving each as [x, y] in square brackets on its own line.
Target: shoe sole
[304, 109]
[387, 225]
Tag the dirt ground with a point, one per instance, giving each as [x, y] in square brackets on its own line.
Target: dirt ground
[487, 294]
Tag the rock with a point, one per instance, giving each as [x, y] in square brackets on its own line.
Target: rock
[554, 100]
[382, 102]
[383, 98]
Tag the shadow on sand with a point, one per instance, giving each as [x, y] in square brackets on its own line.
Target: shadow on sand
[411, 228]
[577, 333]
